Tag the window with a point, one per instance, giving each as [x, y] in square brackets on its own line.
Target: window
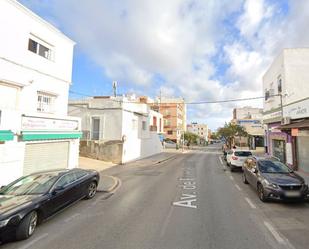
[144, 125]
[279, 84]
[39, 49]
[170, 132]
[266, 94]
[95, 129]
[45, 102]
[66, 180]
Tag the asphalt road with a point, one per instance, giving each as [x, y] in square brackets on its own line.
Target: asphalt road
[188, 202]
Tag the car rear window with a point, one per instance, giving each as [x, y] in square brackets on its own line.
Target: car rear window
[243, 153]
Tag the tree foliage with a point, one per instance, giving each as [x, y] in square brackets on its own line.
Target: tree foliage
[191, 137]
[230, 131]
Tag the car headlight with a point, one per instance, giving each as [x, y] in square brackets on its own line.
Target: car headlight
[269, 184]
[3, 223]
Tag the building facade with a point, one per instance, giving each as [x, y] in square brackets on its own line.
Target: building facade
[174, 111]
[286, 108]
[35, 76]
[251, 119]
[119, 129]
[201, 130]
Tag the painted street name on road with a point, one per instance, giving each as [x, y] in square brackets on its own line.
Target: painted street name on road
[188, 196]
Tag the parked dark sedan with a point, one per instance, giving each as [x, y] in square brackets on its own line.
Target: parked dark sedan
[30, 199]
[274, 180]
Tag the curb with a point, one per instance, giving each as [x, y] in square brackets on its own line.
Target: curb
[164, 160]
[114, 186]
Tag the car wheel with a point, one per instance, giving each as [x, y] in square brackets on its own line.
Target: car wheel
[244, 179]
[232, 167]
[27, 226]
[261, 193]
[92, 190]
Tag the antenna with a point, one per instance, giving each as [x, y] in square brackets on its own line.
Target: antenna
[115, 88]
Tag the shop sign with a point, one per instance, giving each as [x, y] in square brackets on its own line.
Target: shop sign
[297, 110]
[41, 124]
[294, 132]
[272, 115]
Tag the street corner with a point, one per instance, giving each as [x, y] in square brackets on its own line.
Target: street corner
[108, 183]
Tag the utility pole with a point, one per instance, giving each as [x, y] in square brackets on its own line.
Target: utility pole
[160, 100]
[281, 107]
[115, 88]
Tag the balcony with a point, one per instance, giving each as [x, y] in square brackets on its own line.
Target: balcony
[153, 128]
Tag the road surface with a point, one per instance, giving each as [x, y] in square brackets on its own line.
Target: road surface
[188, 202]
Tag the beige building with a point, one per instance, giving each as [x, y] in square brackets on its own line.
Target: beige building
[174, 115]
[199, 129]
[251, 119]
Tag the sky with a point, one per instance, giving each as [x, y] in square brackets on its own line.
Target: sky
[201, 50]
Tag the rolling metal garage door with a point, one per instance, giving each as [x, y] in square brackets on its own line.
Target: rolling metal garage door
[303, 153]
[45, 156]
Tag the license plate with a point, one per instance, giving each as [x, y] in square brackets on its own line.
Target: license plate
[292, 194]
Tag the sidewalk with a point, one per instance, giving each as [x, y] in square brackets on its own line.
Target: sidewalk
[155, 159]
[107, 183]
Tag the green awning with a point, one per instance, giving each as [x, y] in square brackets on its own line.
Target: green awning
[6, 135]
[48, 135]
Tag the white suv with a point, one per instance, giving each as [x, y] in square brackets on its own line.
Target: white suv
[236, 158]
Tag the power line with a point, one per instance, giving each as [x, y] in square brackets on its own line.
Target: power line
[189, 103]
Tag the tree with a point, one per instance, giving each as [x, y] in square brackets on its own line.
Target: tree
[191, 137]
[230, 131]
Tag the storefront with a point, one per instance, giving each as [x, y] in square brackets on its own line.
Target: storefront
[300, 133]
[279, 143]
[42, 144]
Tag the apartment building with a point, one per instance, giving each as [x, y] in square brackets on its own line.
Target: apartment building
[286, 107]
[35, 76]
[251, 119]
[174, 115]
[199, 129]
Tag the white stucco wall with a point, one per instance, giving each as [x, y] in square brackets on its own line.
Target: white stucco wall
[292, 65]
[23, 74]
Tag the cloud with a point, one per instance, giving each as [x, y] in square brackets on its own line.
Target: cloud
[135, 41]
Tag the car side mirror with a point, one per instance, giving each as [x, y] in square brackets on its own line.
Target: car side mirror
[57, 189]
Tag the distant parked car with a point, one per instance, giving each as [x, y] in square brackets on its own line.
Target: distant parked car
[30, 199]
[236, 158]
[274, 180]
[170, 144]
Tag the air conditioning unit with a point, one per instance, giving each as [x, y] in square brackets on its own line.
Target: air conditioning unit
[286, 121]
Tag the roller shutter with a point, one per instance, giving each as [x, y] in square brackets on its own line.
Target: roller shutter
[303, 153]
[45, 156]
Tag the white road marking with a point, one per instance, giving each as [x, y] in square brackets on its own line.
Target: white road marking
[71, 217]
[274, 233]
[166, 222]
[34, 240]
[220, 160]
[237, 186]
[250, 203]
[232, 178]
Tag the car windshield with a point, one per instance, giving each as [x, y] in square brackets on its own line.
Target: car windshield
[30, 185]
[269, 166]
[243, 153]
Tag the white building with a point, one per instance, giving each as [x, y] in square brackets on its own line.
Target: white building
[199, 129]
[35, 76]
[287, 80]
[120, 121]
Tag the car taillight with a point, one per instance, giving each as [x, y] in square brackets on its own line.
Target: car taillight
[234, 157]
